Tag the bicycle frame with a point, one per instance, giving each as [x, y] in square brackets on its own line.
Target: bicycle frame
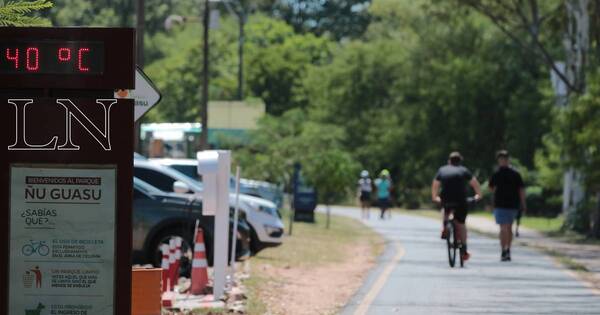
[453, 244]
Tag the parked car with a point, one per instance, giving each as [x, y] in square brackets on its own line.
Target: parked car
[250, 187]
[158, 216]
[266, 227]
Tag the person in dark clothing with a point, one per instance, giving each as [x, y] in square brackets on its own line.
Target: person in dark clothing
[509, 194]
[453, 179]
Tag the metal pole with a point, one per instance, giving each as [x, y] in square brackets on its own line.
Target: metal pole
[242, 23]
[140, 26]
[235, 222]
[328, 217]
[205, 69]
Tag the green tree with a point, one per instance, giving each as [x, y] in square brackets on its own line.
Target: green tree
[19, 13]
[280, 142]
[277, 60]
[581, 134]
[339, 18]
[332, 173]
[429, 85]
[275, 63]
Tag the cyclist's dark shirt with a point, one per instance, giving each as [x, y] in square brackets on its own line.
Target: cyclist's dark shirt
[454, 181]
[507, 182]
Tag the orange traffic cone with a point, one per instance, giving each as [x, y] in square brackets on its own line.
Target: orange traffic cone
[176, 263]
[199, 265]
[164, 248]
[172, 248]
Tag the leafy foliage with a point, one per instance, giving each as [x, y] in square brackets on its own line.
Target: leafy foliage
[339, 18]
[17, 13]
[407, 98]
[582, 133]
[393, 84]
[280, 142]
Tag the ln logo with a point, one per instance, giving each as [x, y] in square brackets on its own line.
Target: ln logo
[72, 113]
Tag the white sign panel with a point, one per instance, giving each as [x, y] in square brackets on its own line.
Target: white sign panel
[145, 94]
[62, 240]
[208, 167]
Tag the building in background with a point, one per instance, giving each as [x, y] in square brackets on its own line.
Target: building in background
[228, 121]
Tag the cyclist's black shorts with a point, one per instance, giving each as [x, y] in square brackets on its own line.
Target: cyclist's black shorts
[459, 208]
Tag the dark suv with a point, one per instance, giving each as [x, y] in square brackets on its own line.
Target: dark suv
[158, 216]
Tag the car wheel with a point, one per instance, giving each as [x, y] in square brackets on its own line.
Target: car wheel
[255, 244]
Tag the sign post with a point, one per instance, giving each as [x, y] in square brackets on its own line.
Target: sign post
[66, 184]
[215, 168]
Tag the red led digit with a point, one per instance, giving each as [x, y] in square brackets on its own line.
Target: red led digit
[80, 65]
[32, 59]
[64, 54]
[14, 57]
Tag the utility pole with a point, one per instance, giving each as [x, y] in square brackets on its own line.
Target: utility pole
[242, 22]
[140, 21]
[204, 105]
[241, 12]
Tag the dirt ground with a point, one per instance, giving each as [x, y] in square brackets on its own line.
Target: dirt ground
[316, 290]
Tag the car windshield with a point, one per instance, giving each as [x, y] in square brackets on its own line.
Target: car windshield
[194, 184]
[137, 156]
[145, 187]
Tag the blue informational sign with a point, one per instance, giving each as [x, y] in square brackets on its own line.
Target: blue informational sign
[305, 197]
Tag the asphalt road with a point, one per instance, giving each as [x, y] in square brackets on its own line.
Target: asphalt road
[413, 277]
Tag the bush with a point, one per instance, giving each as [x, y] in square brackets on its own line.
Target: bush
[580, 219]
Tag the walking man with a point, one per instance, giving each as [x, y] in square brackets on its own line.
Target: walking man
[365, 187]
[384, 187]
[509, 194]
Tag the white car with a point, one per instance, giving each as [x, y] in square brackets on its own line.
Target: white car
[260, 189]
[262, 215]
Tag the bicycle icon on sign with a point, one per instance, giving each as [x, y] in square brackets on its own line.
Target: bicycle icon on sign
[34, 247]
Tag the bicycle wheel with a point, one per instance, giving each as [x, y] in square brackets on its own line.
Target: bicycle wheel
[27, 250]
[43, 250]
[450, 241]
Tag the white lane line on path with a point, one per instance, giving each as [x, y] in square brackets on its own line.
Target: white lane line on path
[364, 305]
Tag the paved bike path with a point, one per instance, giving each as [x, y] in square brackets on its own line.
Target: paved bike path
[413, 277]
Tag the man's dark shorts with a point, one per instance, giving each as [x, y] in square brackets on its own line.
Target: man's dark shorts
[384, 203]
[460, 211]
[365, 196]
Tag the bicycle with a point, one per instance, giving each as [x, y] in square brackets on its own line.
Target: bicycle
[452, 242]
[33, 247]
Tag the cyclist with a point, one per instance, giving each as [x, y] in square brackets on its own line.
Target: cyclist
[453, 179]
[365, 187]
[384, 187]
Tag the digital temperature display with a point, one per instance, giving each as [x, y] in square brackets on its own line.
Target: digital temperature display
[52, 57]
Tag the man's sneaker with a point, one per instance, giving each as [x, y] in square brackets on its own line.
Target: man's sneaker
[465, 256]
[505, 255]
[508, 255]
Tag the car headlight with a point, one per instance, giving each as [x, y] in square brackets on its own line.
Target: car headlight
[272, 211]
[273, 231]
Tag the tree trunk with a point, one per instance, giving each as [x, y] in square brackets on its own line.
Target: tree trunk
[596, 28]
[576, 43]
